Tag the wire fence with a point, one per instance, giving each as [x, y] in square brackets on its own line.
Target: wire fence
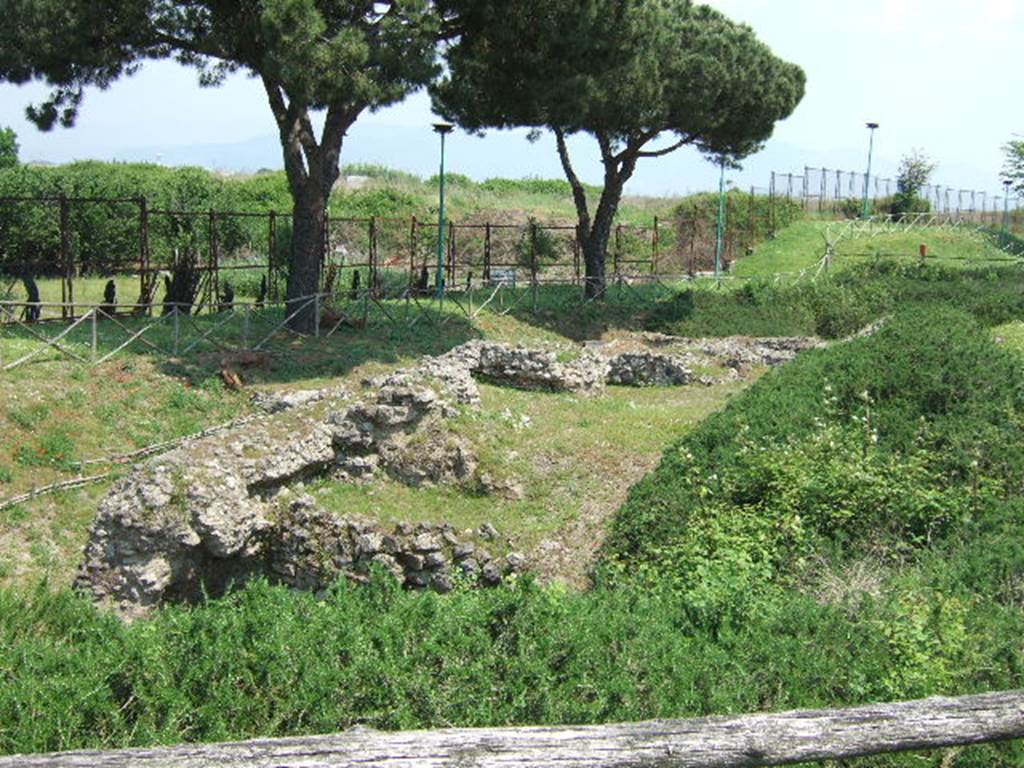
[837, 193]
[62, 256]
[70, 263]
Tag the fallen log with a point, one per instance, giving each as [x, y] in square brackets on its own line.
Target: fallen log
[723, 742]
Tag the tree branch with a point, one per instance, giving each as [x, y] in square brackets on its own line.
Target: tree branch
[339, 119]
[605, 143]
[666, 150]
[579, 194]
[291, 144]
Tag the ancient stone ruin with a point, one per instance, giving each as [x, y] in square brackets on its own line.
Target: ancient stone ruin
[219, 509]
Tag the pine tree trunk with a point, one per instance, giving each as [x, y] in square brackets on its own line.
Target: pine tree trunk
[308, 240]
[595, 249]
[595, 243]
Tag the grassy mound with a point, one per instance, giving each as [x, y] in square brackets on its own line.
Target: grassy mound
[843, 303]
[882, 445]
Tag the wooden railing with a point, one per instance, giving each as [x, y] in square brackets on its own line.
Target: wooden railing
[723, 742]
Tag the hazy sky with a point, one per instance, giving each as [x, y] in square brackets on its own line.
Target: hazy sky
[940, 75]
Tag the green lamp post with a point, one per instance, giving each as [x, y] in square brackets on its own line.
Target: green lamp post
[442, 129]
[1006, 209]
[867, 175]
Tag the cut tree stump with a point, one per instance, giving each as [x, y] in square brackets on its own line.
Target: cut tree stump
[722, 742]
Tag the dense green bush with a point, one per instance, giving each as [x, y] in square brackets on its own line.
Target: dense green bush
[896, 205]
[750, 218]
[883, 444]
[903, 203]
[386, 202]
[267, 661]
[105, 236]
[528, 186]
[842, 304]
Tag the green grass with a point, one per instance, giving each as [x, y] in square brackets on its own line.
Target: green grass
[573, 458]
[801, 246]
[842, 302]
[57, 412]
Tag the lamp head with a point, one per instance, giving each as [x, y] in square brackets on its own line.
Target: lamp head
[872, 126]
[443, 128]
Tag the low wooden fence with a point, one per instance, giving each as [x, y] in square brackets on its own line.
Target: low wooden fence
[720, 742]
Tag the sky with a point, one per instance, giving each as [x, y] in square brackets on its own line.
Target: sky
[941, 76]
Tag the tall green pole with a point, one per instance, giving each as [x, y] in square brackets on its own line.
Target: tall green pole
[720, 229]
[443, 129]
[867, 175]
[1006, 209]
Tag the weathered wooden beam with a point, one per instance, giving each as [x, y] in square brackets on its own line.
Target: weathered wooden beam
[723, 742]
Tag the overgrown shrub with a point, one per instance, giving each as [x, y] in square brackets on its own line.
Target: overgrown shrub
[268, 661]
[884, 443]
[750, 218]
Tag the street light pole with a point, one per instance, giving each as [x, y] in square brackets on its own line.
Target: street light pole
[443, 129]
[720, 229]
[867, 175]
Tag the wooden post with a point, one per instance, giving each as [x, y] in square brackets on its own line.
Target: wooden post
[68, 291]
[751, 212]
[451, 253]
[487, 253]
[271, 256]
[576, 253]
[654, 247]
[94, 334]
[214, 263]
[371, 270]
[711, 742]
[246, 321]
[533, 262]
[144, 278]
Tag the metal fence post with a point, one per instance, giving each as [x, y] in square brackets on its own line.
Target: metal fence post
[94, 339]
[316, 315]
[175, 309]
